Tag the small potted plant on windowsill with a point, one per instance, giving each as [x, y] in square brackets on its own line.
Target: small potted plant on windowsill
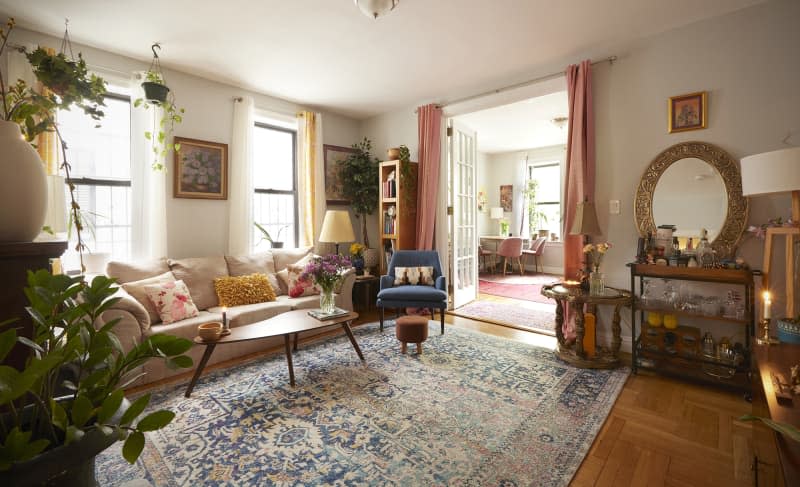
[275, 244]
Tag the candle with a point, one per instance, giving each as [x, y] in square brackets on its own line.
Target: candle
[224, 318]
[767, 305]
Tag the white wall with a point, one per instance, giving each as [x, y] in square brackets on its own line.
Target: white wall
[746, 60]
[199, 227]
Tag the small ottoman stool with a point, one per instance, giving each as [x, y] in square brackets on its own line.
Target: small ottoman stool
[411, 329]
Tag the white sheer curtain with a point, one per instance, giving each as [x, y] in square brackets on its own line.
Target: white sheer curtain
[148, 186]
[310, 162]
[240, 226]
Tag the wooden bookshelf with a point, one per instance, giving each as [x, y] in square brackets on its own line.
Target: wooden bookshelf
[399, 231]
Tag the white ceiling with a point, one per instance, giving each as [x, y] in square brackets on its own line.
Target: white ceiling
[522, 125]
[325, 53]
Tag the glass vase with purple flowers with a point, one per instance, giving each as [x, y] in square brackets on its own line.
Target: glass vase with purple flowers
[326, 272]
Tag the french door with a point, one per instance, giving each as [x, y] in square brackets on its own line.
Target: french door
[463, 154]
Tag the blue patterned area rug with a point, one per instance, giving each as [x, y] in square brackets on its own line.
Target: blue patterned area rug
[472, 410]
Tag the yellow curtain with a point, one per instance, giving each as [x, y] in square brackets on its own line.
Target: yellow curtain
[306, 121]
[47, 142]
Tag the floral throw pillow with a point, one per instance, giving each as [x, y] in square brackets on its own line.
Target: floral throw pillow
[413, 276]
[172, 300]
[297, 286]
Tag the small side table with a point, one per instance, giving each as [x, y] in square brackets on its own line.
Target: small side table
[576, 299]
[365, 292]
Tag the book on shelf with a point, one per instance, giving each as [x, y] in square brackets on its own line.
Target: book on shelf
[389, 224]
[389, 188]
[318, 314]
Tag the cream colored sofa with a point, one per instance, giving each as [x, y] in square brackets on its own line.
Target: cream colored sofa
[198, 274]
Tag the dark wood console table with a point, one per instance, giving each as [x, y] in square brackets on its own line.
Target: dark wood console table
[16, 259]
[767, 469]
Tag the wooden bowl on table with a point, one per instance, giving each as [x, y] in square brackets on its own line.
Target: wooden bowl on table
[210, 331]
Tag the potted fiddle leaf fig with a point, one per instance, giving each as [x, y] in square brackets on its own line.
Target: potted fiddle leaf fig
[359, 173]
[67, 404]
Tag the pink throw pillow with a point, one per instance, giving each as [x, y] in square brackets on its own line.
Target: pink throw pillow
[172, 300]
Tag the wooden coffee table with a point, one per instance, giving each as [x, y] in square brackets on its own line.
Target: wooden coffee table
[286, 324]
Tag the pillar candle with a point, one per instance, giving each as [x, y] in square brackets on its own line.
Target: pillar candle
[224, 318]
[767, 305]
[589, 326]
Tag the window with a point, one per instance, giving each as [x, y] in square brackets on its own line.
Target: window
[100, 158]
[548, 196]
[275, 199]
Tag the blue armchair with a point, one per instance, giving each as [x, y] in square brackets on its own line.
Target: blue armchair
[413, 296]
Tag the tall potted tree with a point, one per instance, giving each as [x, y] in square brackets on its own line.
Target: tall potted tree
[359, 176]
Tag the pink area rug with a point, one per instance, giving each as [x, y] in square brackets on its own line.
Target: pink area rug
[528, 288]
[540, 320]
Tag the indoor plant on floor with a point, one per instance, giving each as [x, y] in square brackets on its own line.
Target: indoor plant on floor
[68, 404]
[359, 176]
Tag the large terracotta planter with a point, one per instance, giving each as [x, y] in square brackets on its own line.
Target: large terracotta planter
[23, 187]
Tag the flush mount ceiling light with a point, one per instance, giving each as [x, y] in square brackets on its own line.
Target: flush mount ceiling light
[376, 8]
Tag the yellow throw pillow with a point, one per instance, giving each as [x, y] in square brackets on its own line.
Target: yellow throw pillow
[251, 289]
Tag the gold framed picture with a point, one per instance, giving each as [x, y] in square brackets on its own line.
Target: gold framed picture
[201, 169]
[688, 112]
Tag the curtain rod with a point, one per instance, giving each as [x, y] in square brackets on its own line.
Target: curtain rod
[496, 91]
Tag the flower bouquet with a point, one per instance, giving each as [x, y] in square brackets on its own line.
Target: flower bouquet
[357, 253]
[326, 272]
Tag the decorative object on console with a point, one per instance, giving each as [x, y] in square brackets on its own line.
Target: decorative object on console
[597, 251]
[789, 330]
[507, 197]
[201, 169]
[776, 172]
[157, 94]
[687, 112]
[337, 228]
[585, 223]
[376, 8]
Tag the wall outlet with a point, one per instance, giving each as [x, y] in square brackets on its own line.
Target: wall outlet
[613, 207]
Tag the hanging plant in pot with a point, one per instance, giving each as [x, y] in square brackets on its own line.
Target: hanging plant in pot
[26, 112]
[161, 99]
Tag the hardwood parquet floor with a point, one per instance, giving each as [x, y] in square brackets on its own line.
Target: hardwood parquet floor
[660, 432]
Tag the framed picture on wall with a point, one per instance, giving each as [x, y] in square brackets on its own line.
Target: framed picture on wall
[506, 197]
[201, 169]
[333, 185]
[687, 112]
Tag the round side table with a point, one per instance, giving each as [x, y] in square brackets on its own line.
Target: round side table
[576, 299]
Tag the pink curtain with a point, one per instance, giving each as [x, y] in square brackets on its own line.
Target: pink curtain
[580, 159]
[580, 169]
[429, 121]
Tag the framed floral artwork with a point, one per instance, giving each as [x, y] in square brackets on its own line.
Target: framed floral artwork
[687, 112]
[333, 185]
[506, 197]
[201, 169]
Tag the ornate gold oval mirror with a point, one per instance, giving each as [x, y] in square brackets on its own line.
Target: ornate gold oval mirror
[694, 185]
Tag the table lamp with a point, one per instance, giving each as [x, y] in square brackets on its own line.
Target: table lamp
[336, 228]
[585, 222]
[497, 214]
[770, 173]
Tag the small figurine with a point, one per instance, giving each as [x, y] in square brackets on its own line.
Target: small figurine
[390, 177]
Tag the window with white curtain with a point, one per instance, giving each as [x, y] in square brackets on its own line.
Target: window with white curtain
[548, 195]
[275, 182]
[100, 159]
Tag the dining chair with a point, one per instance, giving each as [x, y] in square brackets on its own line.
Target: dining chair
[511, 248]
[536, 249]
[482, 254]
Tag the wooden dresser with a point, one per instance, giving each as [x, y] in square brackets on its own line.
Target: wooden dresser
[777, 459]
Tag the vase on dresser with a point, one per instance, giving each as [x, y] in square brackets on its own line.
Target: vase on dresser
[23, 187]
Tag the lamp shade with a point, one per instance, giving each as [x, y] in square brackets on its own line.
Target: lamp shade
[771, 172]
[337, 227]
[585, 222]
[496, 213]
